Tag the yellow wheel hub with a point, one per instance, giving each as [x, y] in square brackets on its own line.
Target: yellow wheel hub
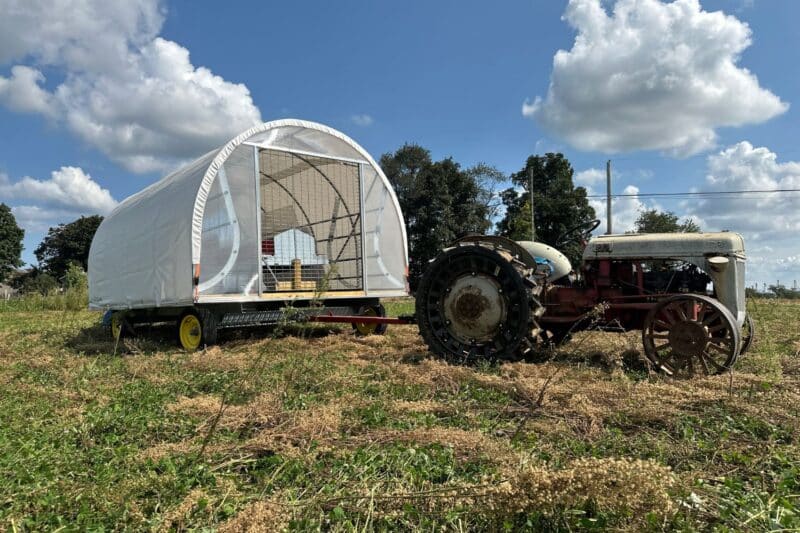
[366, 328]
[190, 332]
[116, 326]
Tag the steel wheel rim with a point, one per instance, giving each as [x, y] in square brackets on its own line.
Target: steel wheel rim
[691, 335]
[190, 332]
[364, 328]
[474, 308]
[474, 260]
[748, 332]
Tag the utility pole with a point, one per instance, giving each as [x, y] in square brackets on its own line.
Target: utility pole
[533, 219]
[608, 197]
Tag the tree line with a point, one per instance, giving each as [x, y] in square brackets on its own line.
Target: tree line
[62, 256]
[440, 200]
[779, 291]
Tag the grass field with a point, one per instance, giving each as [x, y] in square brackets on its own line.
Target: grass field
[310, 428]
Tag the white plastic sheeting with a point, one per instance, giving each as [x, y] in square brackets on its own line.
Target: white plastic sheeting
[141, 255]
[207, 213]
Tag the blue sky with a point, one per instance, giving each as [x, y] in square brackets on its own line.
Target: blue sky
[107, 105]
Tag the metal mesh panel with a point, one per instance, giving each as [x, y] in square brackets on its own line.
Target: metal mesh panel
[310, 223]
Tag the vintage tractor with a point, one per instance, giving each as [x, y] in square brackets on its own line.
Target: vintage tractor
[488, 297]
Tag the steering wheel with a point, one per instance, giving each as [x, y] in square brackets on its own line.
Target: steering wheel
[583, 229]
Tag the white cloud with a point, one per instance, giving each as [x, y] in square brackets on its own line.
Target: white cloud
[69, 190]
[651, 76]
[362, 120]
[590, 176]
[770, 223]
[133, 95]
[624, 210]
[37, 220]
[762, 216]
[22, 92]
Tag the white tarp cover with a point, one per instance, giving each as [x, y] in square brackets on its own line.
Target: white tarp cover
[145, 251]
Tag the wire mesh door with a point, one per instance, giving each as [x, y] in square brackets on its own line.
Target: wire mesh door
[310, 223]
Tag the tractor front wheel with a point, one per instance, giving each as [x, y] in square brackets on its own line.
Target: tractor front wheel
[691, 334]
[748, 333]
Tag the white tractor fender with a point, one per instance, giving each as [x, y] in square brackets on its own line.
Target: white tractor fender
[559, 264]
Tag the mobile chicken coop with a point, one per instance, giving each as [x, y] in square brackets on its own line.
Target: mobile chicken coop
[287, 212]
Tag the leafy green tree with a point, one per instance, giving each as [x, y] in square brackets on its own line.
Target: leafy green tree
[11, 236]
[75, 278]
[655, 221]
[558, 204]
[34, 280]
[67, 244]
[440, 201]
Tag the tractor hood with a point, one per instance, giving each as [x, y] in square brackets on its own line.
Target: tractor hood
[665, 246]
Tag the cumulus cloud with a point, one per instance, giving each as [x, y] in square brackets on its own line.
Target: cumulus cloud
[362, 120]
[126, 91]
[22, 92]
[590, 176]
[624, 210]
[770, 222]
[69, 189]
[651, 76]
[763, 216]
[37, 220]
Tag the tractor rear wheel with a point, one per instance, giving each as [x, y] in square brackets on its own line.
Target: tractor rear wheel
[691, 334]
[477, 301]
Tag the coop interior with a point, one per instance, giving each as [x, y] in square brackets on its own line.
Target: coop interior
[310, 208]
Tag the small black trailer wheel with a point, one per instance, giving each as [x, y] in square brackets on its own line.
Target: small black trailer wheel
[363, 329]
[210, 326]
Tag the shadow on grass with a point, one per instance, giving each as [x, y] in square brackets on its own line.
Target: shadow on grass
[148, 339]
[97, 340]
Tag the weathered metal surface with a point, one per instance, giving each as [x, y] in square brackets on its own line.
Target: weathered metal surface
[475, 308]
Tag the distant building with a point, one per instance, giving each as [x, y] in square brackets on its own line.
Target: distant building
[7, 292]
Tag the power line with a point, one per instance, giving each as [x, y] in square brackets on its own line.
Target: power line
[694, 193]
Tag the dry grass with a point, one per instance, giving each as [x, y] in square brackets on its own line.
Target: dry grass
[338, 432]
[266, 516]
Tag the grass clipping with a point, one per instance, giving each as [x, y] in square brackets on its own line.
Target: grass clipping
[636, 488]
